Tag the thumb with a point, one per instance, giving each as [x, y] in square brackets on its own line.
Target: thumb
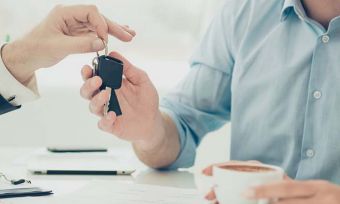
[132, 73]
[82, 44]
[208, 171]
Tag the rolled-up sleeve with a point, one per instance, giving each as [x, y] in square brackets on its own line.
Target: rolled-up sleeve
[201, 103]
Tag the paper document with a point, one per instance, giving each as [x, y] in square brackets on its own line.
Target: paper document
[138, 193]
[106, 192]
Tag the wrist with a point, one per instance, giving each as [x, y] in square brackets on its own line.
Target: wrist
[16, 59]
[157, 136]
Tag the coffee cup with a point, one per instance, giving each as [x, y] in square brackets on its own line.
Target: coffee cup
[231, 181]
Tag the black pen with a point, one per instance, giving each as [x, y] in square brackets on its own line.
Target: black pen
[82, 172]
[76, 150]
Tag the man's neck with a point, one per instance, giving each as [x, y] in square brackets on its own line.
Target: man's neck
[322, 11]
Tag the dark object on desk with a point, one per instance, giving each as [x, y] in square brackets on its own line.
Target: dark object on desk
[20, 181]
[110, 70]
[82, 172]
[6, 106]
[75, 150]
[23, 192]
[14, 181]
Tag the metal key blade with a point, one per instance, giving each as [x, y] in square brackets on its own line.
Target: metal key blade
[106, 106]
[114, 104]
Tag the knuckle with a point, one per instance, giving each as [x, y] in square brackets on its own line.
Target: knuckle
[93, 8]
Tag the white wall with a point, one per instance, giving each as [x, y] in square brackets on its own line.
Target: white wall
[168, 31]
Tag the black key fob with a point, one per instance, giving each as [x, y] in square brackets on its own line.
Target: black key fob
[110, 70]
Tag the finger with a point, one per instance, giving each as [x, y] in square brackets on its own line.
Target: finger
[98, 102]
[296, 201]
[282, 190]
[88, 14]
[129, 30]
[107, 122]
[208, 171]
[134, 75]
[86, 72]
[211, 196]
[90, 87]
[81, 44]
[119, 31]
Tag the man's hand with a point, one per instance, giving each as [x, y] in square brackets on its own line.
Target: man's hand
[66, 30]
[138, 99]
[153, 134]
[298, 192]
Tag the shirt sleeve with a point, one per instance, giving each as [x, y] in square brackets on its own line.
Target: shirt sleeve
[201, 103]
[10, 87]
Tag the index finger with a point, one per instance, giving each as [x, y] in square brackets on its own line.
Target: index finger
[89, 14]
[122, 33]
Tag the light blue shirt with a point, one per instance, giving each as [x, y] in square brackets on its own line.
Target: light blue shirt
[275, 74]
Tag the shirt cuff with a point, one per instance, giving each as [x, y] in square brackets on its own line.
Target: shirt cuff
[10, 87]
[186, 157]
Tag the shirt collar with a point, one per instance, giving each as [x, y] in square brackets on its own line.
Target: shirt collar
[292, 5]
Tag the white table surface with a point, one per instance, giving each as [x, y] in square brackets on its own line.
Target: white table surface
[12, 165]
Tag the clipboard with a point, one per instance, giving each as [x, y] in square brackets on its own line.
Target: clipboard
[24, 192]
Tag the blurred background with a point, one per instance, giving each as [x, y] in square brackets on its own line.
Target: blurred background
[167, 34]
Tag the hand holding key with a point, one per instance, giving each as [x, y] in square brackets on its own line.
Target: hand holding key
[110, 70]
[138, 101]
[66, 30]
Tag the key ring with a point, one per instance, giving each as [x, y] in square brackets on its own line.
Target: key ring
[106, 48]
[95, 60]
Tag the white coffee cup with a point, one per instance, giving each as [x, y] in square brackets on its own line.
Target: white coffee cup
[231, 182]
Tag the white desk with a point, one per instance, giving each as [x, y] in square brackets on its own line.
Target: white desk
[67, 184]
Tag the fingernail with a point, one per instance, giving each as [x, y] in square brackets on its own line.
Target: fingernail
[250, 193]
[97, 44]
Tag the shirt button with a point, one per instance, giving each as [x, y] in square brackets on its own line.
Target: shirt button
[317, 94]
[325, 38]
[310, 153]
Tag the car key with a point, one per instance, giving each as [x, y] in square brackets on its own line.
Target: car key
[110, 70]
